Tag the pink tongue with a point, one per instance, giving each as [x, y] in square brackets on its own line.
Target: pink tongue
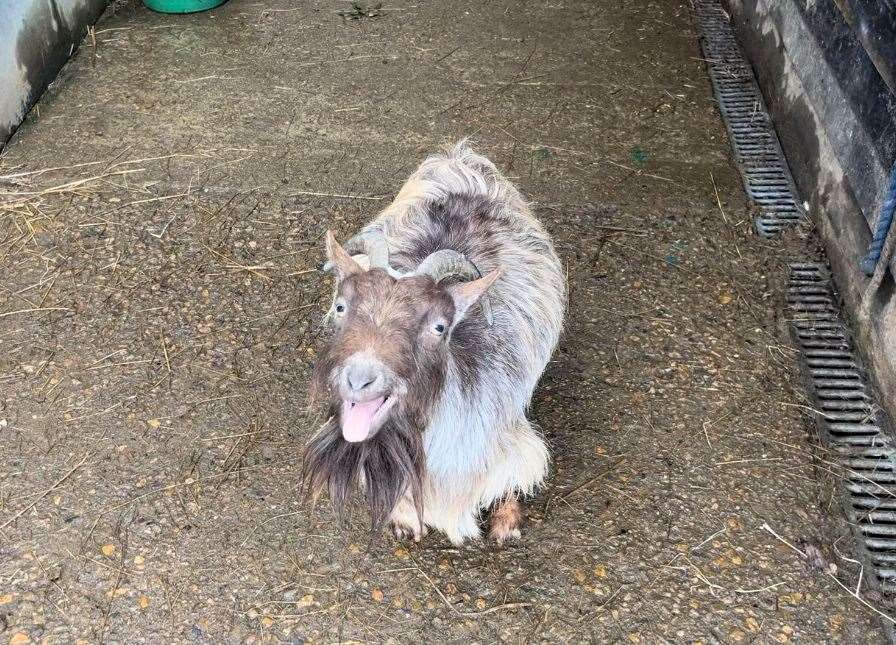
[357, 419]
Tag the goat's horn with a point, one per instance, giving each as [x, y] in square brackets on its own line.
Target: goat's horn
[448, 262]
[373, 244]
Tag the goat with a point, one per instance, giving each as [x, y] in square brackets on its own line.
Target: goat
[447, 308]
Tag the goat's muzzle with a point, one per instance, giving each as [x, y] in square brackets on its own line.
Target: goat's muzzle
[366, 387]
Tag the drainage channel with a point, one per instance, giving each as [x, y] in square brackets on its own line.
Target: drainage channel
[764, 170]
[852, 426]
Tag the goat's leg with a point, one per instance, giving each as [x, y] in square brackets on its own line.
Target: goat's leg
[507, 519]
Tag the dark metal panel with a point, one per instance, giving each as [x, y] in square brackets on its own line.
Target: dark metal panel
[874, 22]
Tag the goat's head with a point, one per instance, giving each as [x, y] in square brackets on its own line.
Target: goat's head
[388, 353]
[383, 370]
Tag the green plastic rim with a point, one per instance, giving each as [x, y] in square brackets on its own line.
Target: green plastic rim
[182, 6]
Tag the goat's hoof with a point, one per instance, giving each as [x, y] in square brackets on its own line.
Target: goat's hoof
[502, 534]
[405, 533]
[507, 518]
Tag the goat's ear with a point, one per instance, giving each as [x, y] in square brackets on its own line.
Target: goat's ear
[339, 259]
[464, 294]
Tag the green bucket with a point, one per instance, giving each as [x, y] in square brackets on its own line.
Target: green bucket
[182, 6]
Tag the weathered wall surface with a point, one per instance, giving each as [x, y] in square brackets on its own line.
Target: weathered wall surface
[823, 69]
[36, 38]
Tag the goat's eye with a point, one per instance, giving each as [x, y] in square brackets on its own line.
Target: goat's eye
[439, 328]
[340, 308]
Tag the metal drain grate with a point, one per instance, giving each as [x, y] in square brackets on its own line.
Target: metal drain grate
[852, 426]
[764, 169]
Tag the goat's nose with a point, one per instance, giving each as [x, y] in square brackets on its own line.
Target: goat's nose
[361, 377]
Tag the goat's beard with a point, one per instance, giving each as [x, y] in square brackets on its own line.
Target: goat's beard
[388, 465]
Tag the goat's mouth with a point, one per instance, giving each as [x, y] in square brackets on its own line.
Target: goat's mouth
[360, 420]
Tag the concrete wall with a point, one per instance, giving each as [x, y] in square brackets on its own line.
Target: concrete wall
[36, 38]
[826, 73]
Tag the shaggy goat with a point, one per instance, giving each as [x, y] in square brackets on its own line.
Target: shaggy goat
[447, 308]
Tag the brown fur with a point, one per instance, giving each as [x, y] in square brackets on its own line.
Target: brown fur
[388, 315]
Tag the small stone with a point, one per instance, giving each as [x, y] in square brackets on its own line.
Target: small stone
[306, 601]
[19, 638]
[6, 598]
[143, 601]
[139, 560]
[795, 598]
[600, 571]
[836, 622]
[119, 591]
[154, 423]
[107, 550]
[480, 603]
[44, 239]
[377, 594]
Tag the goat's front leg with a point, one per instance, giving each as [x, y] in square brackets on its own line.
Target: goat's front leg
[507, 519]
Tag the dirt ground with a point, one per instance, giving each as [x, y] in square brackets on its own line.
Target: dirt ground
[160, 306]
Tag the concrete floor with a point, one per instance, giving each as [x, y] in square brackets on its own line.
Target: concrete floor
[159, 312]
